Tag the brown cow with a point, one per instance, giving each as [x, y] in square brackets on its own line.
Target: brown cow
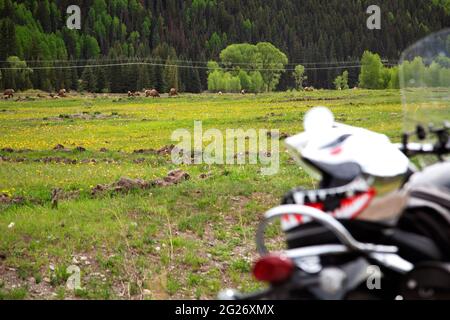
[133, 94]
[173, 92]
[9, 93]
[152, 93]
[62, 93]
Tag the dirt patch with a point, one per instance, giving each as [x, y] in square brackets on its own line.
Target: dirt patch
[13, 160]
[144, 151]
[59, 194]
[35, 290]
[166, 150]
[205, 176]
[125, 185]
[83, 116]
[61, 160]
[174, 177]
[139, 161]
[7, 199]
[60, 147]
[11, 150]
[57, 160]
[80, 149]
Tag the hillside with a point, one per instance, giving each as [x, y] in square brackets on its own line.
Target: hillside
[189, 33]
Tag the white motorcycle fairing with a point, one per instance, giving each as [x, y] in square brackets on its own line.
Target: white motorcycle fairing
[340, 144]
[366, 164]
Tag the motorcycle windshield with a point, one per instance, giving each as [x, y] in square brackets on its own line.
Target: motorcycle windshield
[424, 74]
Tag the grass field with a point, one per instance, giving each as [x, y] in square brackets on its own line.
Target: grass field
[182, 241]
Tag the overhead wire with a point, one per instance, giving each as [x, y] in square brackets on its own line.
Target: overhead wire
[186, 66]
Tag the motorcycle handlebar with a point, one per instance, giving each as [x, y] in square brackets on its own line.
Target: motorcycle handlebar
[440, 148]
[417, 148]
[323, 218]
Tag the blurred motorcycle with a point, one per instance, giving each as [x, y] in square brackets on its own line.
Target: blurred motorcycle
[378, 226]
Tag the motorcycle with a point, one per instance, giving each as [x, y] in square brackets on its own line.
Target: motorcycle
[378, 227]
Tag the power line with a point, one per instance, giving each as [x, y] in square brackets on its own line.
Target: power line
[175, 66]
[184, 61]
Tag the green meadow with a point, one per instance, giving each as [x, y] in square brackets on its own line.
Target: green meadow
[180, 241]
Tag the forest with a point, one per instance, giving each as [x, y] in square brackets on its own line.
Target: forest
[131, 44]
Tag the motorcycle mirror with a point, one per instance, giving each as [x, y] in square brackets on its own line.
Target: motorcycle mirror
[318, 119]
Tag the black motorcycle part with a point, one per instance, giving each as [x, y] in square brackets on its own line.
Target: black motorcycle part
[427, 222]
[428, 281]
[336, 175]
[413, 247]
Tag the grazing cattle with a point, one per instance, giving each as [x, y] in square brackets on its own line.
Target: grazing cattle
[133, 94]
[309, 89]
[152, 93]
[173, 92]
[9, 93]
[62, 93]
[54, 96]
[243, 92]
[220, 93]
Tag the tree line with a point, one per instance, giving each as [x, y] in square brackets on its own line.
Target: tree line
[42, 53]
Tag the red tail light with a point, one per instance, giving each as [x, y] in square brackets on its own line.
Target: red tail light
[273, 269]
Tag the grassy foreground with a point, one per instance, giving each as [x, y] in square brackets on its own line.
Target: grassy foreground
[180, 241]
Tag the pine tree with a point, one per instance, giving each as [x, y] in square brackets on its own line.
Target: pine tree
[43, 15]
[89, 80]
[8, 44]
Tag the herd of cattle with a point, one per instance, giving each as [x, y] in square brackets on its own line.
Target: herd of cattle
[9, 93]
[152, 93]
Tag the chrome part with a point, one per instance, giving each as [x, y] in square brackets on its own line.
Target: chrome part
[315, 251]
[228, 295]
[325, 219]
[332, 280]
[393, 261]
[389, 260]
[310, 265]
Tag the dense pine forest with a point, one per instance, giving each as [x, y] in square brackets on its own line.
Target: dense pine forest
[175, 39]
